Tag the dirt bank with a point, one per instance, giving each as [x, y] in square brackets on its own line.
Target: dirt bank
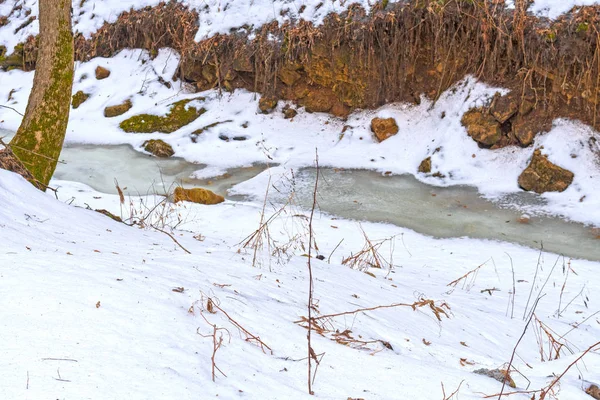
[394, 53]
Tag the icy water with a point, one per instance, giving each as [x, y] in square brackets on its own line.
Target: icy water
[355, 194]
[139, 174]
[103, 167]
[444, 212]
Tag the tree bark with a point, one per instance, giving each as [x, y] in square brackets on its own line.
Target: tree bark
[40, 137]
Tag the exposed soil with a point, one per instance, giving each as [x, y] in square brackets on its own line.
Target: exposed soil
[395, 53]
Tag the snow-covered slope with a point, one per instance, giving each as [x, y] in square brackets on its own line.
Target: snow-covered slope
[215, 16]
[88, 308]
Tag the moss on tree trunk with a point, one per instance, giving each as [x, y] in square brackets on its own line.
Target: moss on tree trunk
[40, 137]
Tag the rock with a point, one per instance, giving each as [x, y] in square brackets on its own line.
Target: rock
[425, 166]
[523, 131]
[340, 110]
[178, 116]
[500, 375]
[209, 72]
[482, 127]
[119, 109]
[79, 98]
[503, 108]
[158, 148]
[543, 176]
[320, 100]
[593, 391]
[102, 73]
[288, 76]
[384, 128]
[267, 104]
[526, 107]
[243, 62]
[197, 195]
[289, 112]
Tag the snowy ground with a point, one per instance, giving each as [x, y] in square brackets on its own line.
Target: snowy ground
[342, 144]
[89, 309]
[215, 16]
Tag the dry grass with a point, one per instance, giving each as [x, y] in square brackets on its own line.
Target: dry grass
[370, 256]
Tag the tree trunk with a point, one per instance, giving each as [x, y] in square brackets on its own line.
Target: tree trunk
[40, 137]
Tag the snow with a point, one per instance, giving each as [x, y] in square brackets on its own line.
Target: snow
[89, 309]
[214, 16]
[270, 139]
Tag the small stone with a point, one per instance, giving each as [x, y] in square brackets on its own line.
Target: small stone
[158, 148]
[482, 127]
[384, 128]
[425, 166]
[523, 132]
[593, 391]
[267, 104]
[500, 375]
[79, 98]
[197, 195]
[102, 73]
[542, 176]
[119, 109]
[289, 112]
[503, 108]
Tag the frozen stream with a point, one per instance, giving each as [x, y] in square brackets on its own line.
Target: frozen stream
[354, 194]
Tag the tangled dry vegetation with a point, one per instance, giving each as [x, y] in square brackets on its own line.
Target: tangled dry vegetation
[396, 52]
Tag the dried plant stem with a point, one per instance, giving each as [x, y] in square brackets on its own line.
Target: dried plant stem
[311, 353]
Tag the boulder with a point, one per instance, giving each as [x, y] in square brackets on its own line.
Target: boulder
[197, 195]
[425, 166]
[543, 176]
[158, 148]
[102, 73]
[79, 98]
[482, 127]
[384, 128]
[119, 109]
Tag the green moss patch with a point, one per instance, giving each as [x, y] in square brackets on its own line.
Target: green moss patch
[178, 116]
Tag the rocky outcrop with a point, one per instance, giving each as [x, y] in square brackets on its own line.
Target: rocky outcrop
[197, 195]
[482, 127]
[79, 98]
[384, 128]
[102, 73]
[119, 109]
[543, 176]
[320, 100]
[158, 148]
